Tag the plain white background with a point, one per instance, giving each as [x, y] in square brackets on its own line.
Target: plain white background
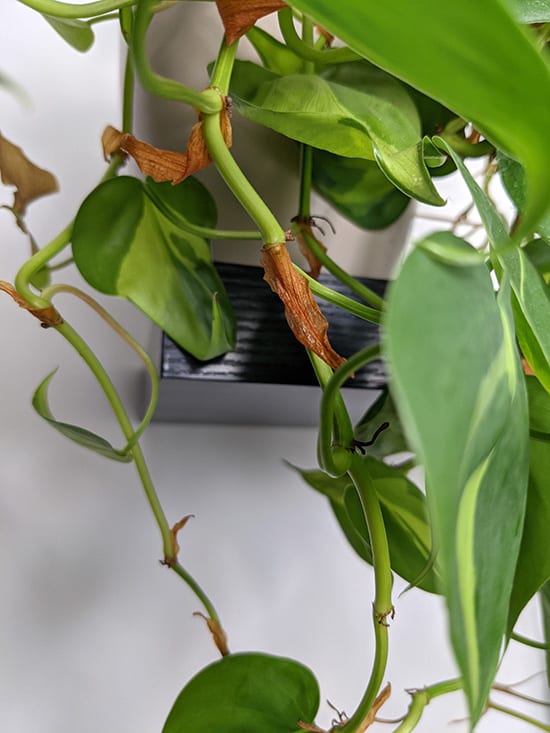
[94, 634]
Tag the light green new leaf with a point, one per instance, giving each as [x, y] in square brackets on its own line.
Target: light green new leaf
[81, 436]
[246, 693]
[124, 245]
[531, 294]
[375, 119]
[470, 56]
[77, 33]
[458, 385]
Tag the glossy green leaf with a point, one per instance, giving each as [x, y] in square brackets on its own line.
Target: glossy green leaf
[531, 294]
[538, 252]
[124, 245]
[358, 190]
[405, 517]
[446, 248]
[246, 693]
[275, 56]
[471, 57]
[77, 33]
[533, 568]
[78, 435]
[379, 122]
[457, 381]
[530, 11]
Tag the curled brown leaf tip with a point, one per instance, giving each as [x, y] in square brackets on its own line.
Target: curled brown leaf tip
[174, 533]
[218, 634]
[165, 165]
[30, 181]
[238, 16]
[47, 316]
[302, 313]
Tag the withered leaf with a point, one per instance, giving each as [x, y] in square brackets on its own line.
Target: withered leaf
[238, 16]
[218, 633]
[302, 313]
[30, 181]
[303, 233]
[165, 165]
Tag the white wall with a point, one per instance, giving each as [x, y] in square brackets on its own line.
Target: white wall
[94, 634]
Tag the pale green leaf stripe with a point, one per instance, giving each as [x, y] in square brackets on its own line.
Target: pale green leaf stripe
[471, 56]
[466, 571]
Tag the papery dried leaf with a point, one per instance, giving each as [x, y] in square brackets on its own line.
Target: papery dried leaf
[373, 712]
[30, 181]
[165, 165]
[47, 316]
[218, 634]
[329, 38]
[238, 16]
[174, 534]
[302, 313]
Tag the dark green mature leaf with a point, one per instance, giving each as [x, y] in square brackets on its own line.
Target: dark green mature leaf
[77, 33]
[405, 516]
[246, 693]
[457, 381]
[378, 122]
[124, 245]
[538, 252]
[471, 57]
[275, 56]
[530, 11]
[78, 435]
[531, 294]
[358, 190]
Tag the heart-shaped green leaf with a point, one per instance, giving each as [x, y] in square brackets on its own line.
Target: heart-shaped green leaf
[124, 245]
[77, 33]
[246, 693]
[78, 435]
[458, 384]
[473, 58]
[357, 111]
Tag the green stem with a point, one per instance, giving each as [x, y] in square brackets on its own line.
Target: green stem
[529, 642]
[128, 94]
[519, 716]
[44, 255]
[382, 606]
[335, 459]
[306, 175]
[240, 186]
[70, 11]
[112, 396]
[208, 101]
[365, 293]
[341, 431]
[221, 76]
[342, 301]
[307, 52]
[421, 698]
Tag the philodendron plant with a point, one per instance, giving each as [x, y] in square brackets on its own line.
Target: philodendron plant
[382, 98]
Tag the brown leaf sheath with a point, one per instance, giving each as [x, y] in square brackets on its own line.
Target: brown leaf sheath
[238, 16]
[302, 313]
[47, 316]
